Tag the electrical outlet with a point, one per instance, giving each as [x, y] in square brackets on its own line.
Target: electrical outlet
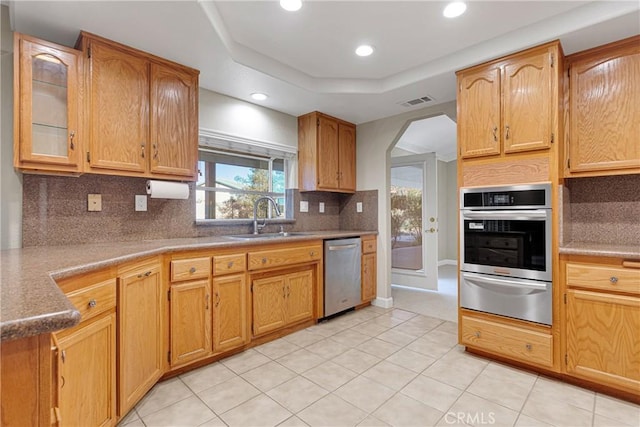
[94, 202]
[141, 203]
[304, 206]
[359, 207]
[321, 207]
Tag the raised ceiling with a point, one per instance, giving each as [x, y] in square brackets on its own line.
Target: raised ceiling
[304, 60]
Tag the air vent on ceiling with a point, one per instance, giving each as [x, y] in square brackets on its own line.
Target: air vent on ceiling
[417, 101]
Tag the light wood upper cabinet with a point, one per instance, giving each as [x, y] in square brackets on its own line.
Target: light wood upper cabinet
[326, 154]
[190, 321]
[143, 112]
[47, 113]
[510, 105]
[604, 110]
[230, 321]
[140, 332]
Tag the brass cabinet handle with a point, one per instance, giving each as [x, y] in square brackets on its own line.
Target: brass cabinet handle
[230, 264]
[63, 356]
[284, 292]
[613, 279]
[217, 299]
[495, 134]
[155, 151]
[506, 136]
[142, 145]
[72, 135]
[192, 270]
[147, 274]
[92, 303]
[206, 302]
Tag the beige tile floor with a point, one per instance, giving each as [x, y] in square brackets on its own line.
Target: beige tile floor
[372, 367]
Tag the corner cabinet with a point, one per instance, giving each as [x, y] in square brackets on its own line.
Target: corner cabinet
[604, 110]
[602, 306]
[140, 331]
[142, 112]
[47, 106]
[326, 154]
[510, 105]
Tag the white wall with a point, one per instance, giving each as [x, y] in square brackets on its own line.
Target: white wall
[10, 180]
[447, 212]
[373, 142]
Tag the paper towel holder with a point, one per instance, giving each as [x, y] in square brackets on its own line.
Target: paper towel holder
[167, 190]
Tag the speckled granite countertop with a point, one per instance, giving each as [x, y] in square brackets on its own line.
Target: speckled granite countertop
[31, 303]
[600, 249]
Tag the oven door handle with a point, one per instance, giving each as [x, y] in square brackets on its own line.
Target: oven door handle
[495, 283]
[524, 215]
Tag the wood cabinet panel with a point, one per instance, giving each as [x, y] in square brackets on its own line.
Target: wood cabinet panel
[347, 157]
[369, 277]
[87, 374]
[190, 321]
[47, 113]
[604, 278]
[602, 338]
[174, 127]
[508, 340]
[230, 321]
[369, 244]
[283, 257]
[269, 297]
[515, 171]
[604, 109]
[190, 268]
[479, 125]
[328, 154]
[228, 264]
[140, 333]
[95, 299]
[299, 296]
[118, 89]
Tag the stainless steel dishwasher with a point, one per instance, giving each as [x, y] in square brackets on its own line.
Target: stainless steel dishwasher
[341, 274]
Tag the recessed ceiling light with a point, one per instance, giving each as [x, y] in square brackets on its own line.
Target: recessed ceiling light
[291, 5]
[259, 96]
[364, 50]
[454, 9]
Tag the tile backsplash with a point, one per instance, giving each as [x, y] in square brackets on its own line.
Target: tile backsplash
[602, 210]
[55, 212]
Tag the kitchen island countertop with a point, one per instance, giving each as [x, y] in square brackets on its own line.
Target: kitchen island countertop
[31, 303]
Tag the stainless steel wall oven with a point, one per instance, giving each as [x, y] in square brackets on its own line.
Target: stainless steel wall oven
[505, 251]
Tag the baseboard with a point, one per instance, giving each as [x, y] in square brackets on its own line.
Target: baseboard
[447, 262]
[383, 302]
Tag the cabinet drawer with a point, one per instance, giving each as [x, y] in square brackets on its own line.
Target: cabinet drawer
[95, 299]
[510, 341]
[281, 257]
[226, 264]
[368, 245]
[192, 268]
[616, 279]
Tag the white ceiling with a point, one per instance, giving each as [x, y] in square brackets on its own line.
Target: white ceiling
[304, 59]
[431, 135]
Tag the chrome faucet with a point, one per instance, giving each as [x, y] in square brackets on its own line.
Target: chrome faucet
[256, 227]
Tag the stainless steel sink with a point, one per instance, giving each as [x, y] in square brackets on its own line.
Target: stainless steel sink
[268, 235]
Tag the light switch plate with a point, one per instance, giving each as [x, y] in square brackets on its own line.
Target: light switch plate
[141, 203]
[321, 207]
[304, 206]
[94, 202]
[359, 207]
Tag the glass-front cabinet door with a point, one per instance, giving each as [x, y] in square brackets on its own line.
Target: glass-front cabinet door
[48, 105]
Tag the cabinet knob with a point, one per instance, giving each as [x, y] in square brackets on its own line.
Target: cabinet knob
[230, 264]
[529, 347]
[264, 260]
[192, 270]
[613, 279]
[477, 334]
[312, 253]
[92, 303]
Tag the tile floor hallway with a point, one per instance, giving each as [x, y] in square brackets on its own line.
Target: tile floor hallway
[372, 367]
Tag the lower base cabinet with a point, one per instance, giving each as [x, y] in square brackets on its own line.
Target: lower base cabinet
[281, 300]
[230, 325]
[190, 321]
[140, 333]
[86, 368]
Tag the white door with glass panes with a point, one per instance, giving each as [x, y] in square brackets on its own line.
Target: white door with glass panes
[414, 223]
